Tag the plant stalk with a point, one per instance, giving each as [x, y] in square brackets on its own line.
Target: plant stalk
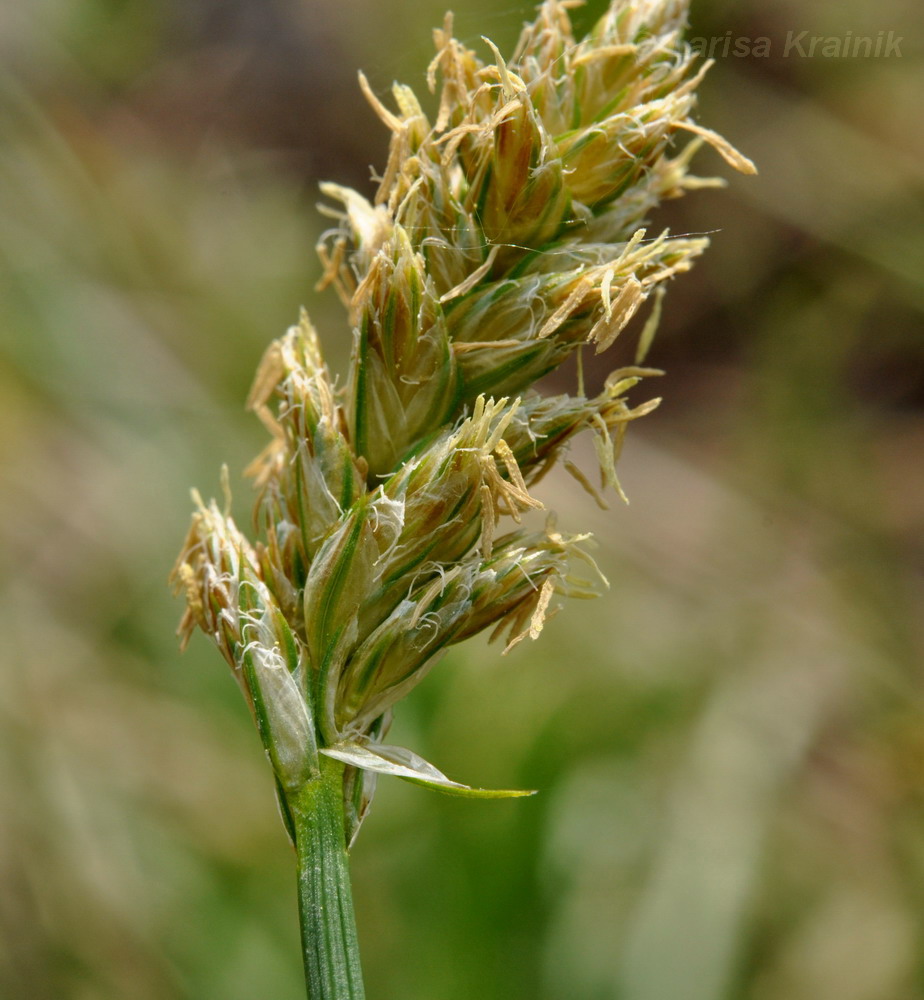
[325, 901]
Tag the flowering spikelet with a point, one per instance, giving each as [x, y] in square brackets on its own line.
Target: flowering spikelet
[504, 236]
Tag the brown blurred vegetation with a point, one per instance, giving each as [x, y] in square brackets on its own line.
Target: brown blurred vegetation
[729, 744]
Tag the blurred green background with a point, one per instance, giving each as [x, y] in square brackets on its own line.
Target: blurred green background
[729, 744]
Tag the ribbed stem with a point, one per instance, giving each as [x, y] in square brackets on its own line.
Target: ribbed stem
[325, 901]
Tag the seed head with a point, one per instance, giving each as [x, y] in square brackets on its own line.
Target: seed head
[504, 236]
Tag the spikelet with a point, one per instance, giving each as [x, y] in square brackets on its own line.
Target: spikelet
[505, 236]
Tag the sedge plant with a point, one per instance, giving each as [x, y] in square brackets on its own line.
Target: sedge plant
[507, 234]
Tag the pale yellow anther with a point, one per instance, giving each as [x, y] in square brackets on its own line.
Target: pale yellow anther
[722, 146]
[391, 120]
[488, 521]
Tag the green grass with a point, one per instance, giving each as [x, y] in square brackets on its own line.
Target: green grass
[727, 744]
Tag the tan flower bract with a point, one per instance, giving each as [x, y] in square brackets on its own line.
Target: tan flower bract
[503, 237]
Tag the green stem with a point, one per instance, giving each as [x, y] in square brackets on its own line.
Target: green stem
[325, 901]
